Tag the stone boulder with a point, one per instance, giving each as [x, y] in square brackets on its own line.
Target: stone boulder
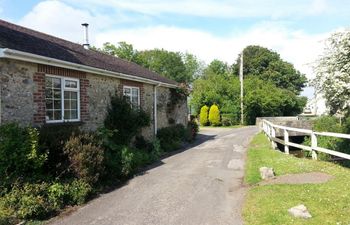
[266, 173]
[300, 211]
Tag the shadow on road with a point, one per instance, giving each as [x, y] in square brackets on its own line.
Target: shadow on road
[201, 138]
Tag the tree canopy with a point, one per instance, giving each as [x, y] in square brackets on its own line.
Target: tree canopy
[268, 65]
[183, 68]
[262, 97]
[333, 72]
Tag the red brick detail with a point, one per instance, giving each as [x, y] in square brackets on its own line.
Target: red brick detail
[133, 84]
[39, 98]
[60, 71]
[39, 94]
[84, 100]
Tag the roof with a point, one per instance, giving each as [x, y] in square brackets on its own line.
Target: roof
[30, 41]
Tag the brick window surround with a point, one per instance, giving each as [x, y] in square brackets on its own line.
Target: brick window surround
[133, 84]
[39, 93]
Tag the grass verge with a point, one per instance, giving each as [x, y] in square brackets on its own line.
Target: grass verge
[328, 203]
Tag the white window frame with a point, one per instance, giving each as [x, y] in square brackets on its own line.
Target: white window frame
[63, 89]
[138, 97]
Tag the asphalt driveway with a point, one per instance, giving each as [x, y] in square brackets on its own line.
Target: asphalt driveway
[201, 185]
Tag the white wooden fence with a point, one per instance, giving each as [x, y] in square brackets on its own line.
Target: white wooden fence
[270, 131]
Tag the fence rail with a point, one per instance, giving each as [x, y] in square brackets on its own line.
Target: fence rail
[270, 131]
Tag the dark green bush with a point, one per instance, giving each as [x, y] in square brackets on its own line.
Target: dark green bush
[172, 137]
[52, 140]
[126, 119]
[191, 130]
[328, 124]
[229, 119]
[86, 157]
[19, 156]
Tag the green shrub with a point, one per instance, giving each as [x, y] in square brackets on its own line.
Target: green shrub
[191, 130]
[327, 124]
[52, 139]
[203, 116]
[57, 195]
[171, 138]
[156, 150]
[126, 119]
[29, 201]
[214, 115]
[85, 157]
[78, 192]
[229, 119]
[19, 156]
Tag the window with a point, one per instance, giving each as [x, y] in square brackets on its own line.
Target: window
[62, 99]
[133, 95]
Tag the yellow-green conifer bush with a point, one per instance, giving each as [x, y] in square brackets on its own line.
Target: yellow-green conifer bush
[214, 115]
[203, 116]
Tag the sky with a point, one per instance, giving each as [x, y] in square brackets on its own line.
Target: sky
[209, 29]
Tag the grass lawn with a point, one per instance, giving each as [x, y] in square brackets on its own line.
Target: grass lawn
[328, 203]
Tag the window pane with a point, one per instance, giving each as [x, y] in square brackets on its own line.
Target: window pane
[56, 82]
[57, 94]
[135, 92]
[74, 95]
[57, 115]
[74, 114]
[53, 98]
[57, 104]
[49, 115]
[49, 104]
[71, 84]
[127, 91]
[135, 100]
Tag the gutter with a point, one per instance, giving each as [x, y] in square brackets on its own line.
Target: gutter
[29, 57]
[155, 116]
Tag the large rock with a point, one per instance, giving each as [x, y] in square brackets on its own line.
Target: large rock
[266, 173]
[300, 211]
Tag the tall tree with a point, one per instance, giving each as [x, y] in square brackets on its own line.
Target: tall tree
[183, 68]
[123, 50]
[268, 65]
[333, 72]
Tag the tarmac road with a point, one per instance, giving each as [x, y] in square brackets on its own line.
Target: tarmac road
[200, 185]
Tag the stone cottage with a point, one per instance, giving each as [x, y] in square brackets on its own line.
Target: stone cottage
[48, 80]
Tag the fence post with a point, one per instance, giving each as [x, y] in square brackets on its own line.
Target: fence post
[273, 135]
[286, 140]
[313, 145]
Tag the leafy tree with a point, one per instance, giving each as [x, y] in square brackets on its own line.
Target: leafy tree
[183, 68]
[203, 116]
[167, 63]
[333, 72]
[217, 67]
[265, 99]
[214, 115]
[123, 50]
[261, 98]
[268, 65]
[194, 67]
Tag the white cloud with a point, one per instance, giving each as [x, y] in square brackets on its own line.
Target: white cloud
[61, 20]
[294, 46]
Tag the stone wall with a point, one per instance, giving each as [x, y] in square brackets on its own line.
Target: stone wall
[17, 88]
[23, 98]
[100, 90]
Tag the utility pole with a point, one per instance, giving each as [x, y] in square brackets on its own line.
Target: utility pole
[241, 80]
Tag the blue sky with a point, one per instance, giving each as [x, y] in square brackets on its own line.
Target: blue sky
[207, 28]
